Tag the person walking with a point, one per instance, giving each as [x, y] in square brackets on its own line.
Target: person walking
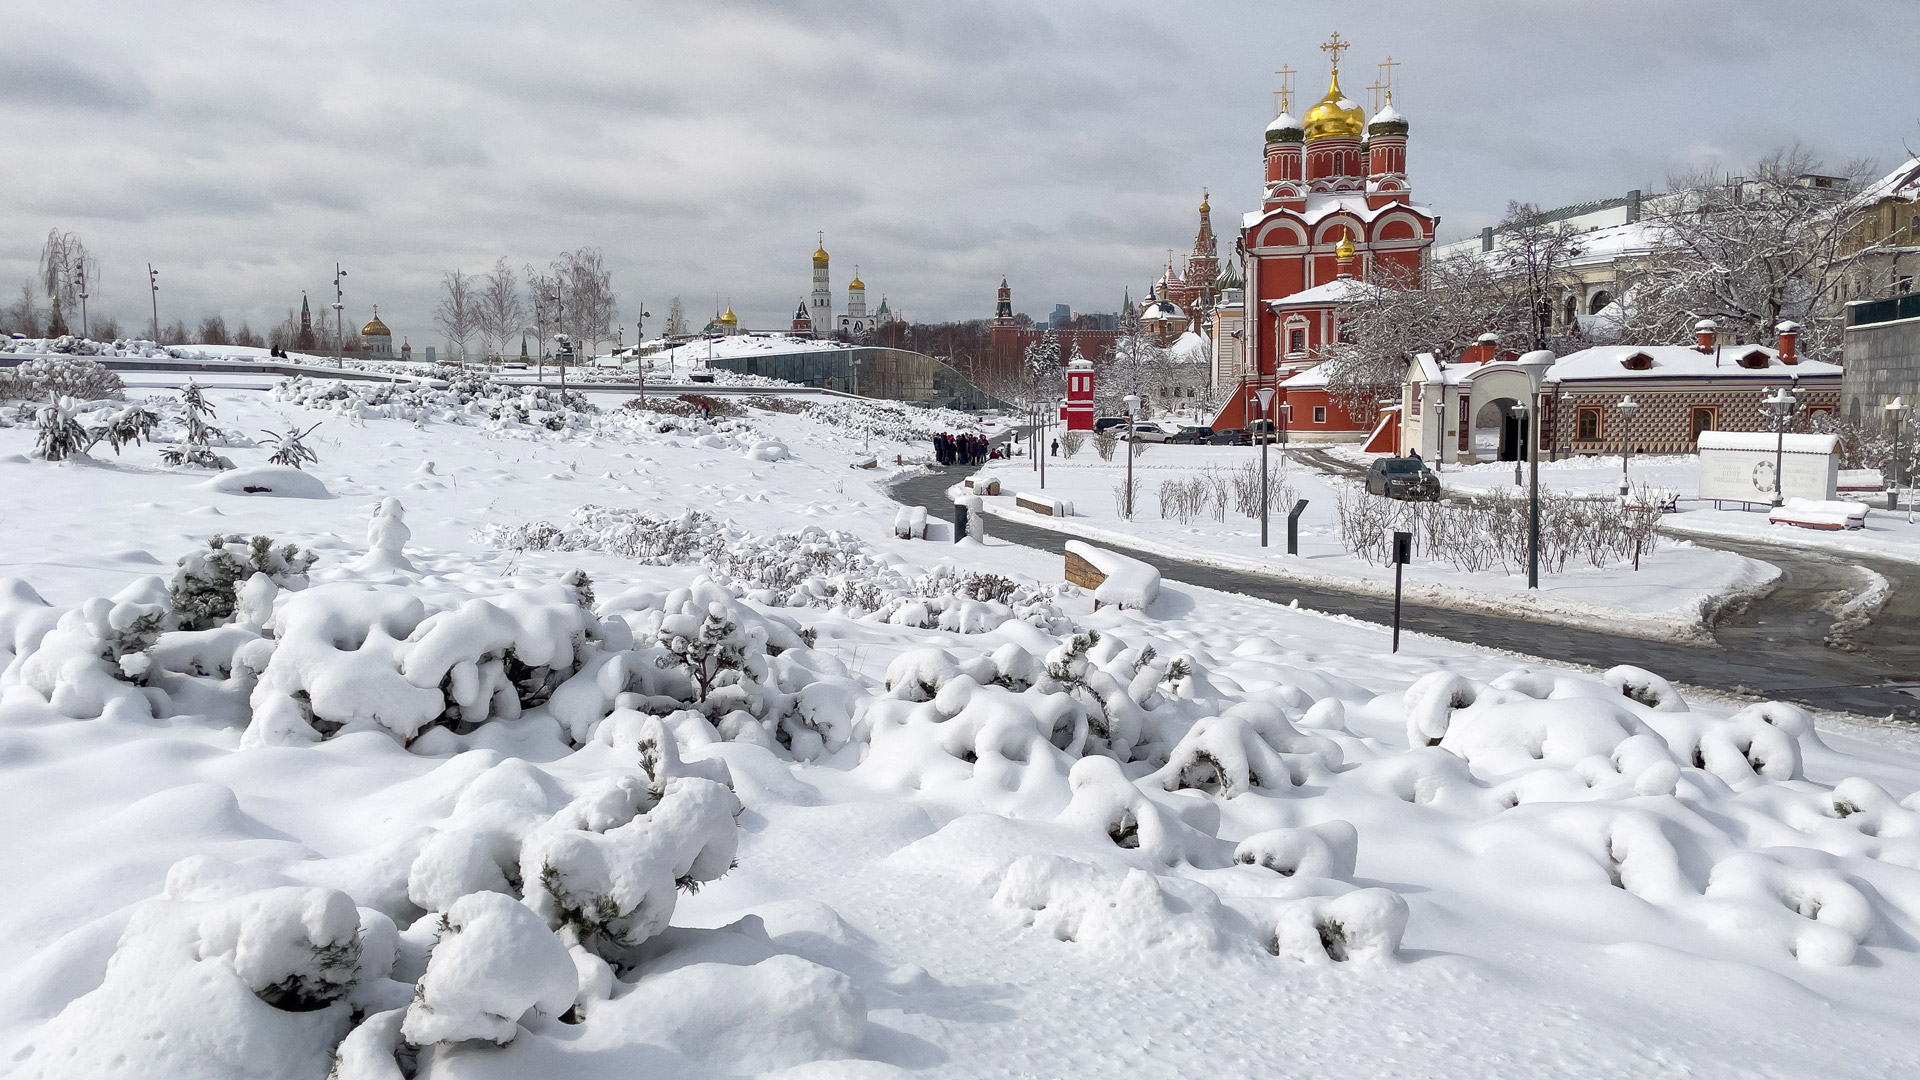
[1056, 448]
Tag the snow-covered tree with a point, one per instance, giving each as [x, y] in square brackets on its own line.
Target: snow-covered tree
[61, 436]
[194, 449]
[1042, 364]
[129, 427]
[676, 318]
[206, 586]
[1749, 252]
[290, 447]
[458, 313]
[707, 652]
[502, 314]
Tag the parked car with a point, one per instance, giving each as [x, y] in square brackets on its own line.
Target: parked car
[1230, 437]
[1148, 431]
[1405, 478]
[1192, 434]
[1105, 422]
[1259, 431]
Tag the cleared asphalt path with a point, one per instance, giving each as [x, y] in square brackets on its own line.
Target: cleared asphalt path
[1777, 648]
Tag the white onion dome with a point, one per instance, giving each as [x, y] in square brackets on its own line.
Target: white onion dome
[1387, 121]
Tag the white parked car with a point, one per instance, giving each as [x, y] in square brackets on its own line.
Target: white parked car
[1148, 431]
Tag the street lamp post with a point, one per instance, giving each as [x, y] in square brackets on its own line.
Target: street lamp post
[1521, 414]
[639, 339]
[1780, 406]
[1897, 408]
[153, 278]
[1439, 432]
[1133, 408]
[560, 357]
[80, 280]
[1265, 394]
[339, 318]
[1626, 408]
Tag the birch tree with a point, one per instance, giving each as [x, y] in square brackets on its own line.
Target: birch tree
[502, 313]
[458, 312]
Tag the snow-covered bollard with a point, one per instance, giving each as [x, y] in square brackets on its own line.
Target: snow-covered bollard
[968, 522]
[387, 536]
[495, 960]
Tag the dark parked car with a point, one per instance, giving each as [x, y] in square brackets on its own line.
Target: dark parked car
[1403, 478]
[1105, 422]
[1188, 433]
[1230, 437]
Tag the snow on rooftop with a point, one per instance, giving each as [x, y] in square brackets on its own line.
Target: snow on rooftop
[1677, 361]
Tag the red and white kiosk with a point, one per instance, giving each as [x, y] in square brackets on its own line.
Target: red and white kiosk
[1077, 414]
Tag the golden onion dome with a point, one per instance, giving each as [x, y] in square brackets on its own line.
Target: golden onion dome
[1334, 115]
[375, 327]
[1344, 249]
[1204, 207]
[729, 319]
[856, 283]
[820, 255]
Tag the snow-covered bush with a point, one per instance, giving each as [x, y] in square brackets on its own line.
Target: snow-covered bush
[128, 427]
[194, 446]
[60, 377]
[206, 588]
[60, 435]
[494, 962]
[290, 447]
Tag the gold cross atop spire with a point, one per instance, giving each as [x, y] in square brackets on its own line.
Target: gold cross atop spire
[1386, 77]
[1284, 95]
[1373, 92]
[1334, 47]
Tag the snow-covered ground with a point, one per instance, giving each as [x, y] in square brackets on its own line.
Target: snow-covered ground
[1674, 587]
[437, 792]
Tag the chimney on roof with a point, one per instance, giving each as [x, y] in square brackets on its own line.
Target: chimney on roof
[1633, 206]
[1789, 334]
[1484, 349]
[1703, 333]
[1486, 239]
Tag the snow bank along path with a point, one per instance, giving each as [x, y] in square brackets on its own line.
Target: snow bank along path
[669, 792]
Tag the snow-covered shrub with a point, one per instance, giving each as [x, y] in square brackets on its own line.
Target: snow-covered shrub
[1251, 746]
[387, 536]
[1129, 911]
[607, 868]
[129, 427]
[61, 377]
[1361, 926]
[290, 447]
[1327, 850]
[495, 961]
[206, 588]
[61, 436]
[194, 449]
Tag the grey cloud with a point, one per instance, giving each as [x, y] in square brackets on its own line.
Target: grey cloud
[46, 81]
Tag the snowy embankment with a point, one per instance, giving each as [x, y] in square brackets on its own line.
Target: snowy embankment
[604, 744]
[1672, 595]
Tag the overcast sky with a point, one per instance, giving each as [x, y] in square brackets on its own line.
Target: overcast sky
[244, 148]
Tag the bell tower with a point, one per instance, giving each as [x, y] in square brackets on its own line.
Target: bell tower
[820, 304]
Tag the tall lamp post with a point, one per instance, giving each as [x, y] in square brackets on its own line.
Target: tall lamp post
[1439, 431]
[1780, 407]
[1626, 408]
[1521, 413]
[639, 339]
[562, 355]
[1897, 409]
[1133, 409]
[153, 279]
[80, 280]
[1265, 394]
[339, 318]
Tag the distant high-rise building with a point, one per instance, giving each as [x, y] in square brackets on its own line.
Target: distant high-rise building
[1062, 317]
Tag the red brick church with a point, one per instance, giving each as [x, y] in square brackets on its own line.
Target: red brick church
[1337, 212]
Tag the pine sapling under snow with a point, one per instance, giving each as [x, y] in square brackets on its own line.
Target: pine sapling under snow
[716, 647]
[129, 427]
[194, 450]
[61, 436]
[290, 447]
[206, 587]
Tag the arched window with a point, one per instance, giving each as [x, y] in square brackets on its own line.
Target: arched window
[1599, 302]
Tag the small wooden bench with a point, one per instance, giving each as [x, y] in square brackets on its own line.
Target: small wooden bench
[1082, 573]
[989, 486]
[1039, 504]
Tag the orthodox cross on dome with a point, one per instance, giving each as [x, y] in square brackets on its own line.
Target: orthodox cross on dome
[1283, 97]
[1334, 47]
[1373, 95]
[1386, 79]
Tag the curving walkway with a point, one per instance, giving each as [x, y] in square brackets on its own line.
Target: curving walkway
[1775, 647]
